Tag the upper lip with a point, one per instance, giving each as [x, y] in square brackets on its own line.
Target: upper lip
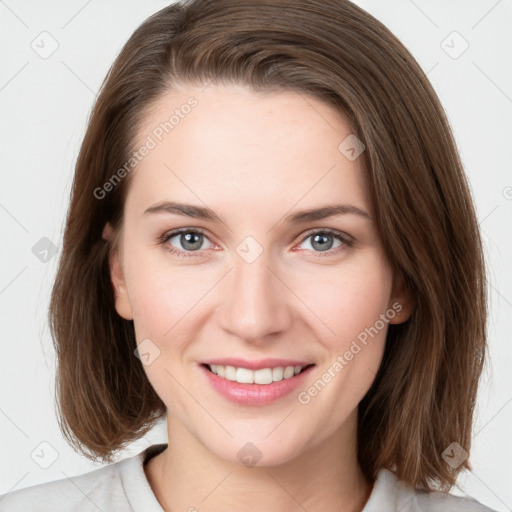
[257, 365]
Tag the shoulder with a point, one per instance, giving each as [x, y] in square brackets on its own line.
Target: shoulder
[82, 493]
[72, 493]
[390, 494]
[118, 487]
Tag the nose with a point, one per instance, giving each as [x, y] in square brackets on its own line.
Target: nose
[255, 302]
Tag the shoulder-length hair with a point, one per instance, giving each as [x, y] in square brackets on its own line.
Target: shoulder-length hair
[424, 394]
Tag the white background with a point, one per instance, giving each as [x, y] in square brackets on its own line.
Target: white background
[44, 107]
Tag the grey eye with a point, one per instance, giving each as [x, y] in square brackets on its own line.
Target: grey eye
[189, 241]
[322, 241]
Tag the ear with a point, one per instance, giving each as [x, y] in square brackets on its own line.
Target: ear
[402, 300]
[122, 301]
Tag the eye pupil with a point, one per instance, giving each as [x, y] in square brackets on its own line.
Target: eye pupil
[323, 241]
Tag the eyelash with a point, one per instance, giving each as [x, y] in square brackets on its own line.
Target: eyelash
[347, 242]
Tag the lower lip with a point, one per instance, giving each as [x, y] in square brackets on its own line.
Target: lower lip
[254, 394]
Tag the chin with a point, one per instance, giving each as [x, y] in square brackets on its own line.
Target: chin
[257, 448]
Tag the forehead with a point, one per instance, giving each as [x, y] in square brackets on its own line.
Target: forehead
[239, 148]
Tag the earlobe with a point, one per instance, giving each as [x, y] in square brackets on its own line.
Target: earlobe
[402, 301]
[107, 231]
[122, 301]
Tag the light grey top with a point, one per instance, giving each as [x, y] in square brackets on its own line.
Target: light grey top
[123, 487]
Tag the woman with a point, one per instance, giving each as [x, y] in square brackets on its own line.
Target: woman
[271, 242]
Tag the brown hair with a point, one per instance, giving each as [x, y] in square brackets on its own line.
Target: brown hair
[424, 394]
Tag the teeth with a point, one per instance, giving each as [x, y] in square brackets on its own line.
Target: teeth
[277, 373]
[262, 376]
[289, 372]
[244, 376]
[230, 373]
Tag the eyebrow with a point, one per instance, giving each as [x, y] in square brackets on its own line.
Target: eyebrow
[200, 212]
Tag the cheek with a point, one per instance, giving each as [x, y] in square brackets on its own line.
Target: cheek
[347, 300]
[161, 295]
[360, 319]
[353, 308]
[153, 314]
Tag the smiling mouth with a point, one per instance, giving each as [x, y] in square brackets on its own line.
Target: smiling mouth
[262, 376]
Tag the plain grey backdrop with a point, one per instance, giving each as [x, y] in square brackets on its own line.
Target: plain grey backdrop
[54, 57]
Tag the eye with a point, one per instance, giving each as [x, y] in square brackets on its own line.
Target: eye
[323, 241]
[185, 242]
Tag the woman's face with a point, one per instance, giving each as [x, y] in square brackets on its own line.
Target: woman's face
[253, 284]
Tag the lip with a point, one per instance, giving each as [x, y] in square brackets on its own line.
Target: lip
[257, 365]
[254, 395]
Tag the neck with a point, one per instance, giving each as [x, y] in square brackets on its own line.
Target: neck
[187, 476]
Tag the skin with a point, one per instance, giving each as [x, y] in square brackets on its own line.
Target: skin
[254, 159]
